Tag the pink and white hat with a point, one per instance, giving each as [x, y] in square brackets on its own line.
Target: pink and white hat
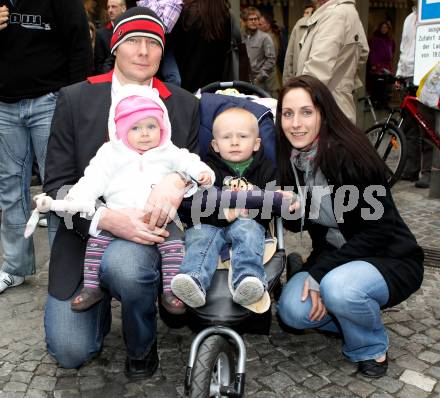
[134, 103]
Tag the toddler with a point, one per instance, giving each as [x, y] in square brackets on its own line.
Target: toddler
[238, 161]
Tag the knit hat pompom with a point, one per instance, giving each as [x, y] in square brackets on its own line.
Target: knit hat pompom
[137, 21]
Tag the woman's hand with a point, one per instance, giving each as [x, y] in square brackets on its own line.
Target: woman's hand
[318, 310]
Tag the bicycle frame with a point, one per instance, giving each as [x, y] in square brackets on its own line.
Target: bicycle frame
[410, 104]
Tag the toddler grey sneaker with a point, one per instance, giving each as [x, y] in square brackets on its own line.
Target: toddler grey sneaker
[249, 291]
[187, 289]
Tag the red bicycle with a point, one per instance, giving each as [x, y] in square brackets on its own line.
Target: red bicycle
[390, 141]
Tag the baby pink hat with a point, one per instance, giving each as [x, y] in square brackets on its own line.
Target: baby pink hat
[134, 108]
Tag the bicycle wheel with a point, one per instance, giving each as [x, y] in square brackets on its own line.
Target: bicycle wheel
[390, 143]
[214, 367]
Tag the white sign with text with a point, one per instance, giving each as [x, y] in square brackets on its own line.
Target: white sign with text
[427, 50]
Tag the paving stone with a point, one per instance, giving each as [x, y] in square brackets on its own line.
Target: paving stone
[45, 383]
[334, 391]
[23, 377]
[380, 394]
[6, 369]
[294, 371]
[434, 371]
[361, 388]
[315, 383]
[412, 392]
[419, 380]
[31, 393]
[278, 381]
[339, 378]
[28, 366]
[430, 356]
[67, 383]
[388, 384]
[46, 369]
[91, 382]
[401, 329]
[66, 394]
[15, 386]
[410, 362]
[8, 394]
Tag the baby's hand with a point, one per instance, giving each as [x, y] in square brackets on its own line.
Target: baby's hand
[204, 178]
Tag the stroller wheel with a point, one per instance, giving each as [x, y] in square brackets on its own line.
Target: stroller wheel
[214, 367]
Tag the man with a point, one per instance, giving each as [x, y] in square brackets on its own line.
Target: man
[45, 45]
[332, 50]
[103, 35]
[420, 151]
[260, 48]
[130, 264]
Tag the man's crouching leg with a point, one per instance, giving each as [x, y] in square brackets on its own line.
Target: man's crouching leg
[74, 337]
[130, 272]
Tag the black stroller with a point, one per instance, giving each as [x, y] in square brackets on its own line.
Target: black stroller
[216, 364]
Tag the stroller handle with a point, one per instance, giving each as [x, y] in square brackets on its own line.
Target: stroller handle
[243, 87]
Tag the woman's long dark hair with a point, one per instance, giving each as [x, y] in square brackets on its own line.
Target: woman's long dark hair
[345, 155]
[211, 17]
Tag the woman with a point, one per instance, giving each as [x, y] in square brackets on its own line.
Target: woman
[381, 54]
[201, 40]
[364, 257]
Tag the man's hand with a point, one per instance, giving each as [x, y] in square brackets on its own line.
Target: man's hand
[129, 224]
[4, 17]
[164, 200]
[318, 310]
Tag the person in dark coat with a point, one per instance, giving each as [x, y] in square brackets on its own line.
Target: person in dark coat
[364, 258]
[130, 267]
[101, 50]
[201, 40]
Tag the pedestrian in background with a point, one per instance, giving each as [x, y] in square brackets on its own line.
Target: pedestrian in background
[420, 151]
[268, 25]
[382, 47]
[168, 11]
[45, 45]
[333, 49]
[103, 36]
[292, 52]
[260, 48]
[201, 41]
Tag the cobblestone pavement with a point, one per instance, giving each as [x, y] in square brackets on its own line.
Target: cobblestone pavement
[278, 365]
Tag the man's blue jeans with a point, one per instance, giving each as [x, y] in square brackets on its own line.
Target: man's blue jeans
[353, 294]
[24, 131]
[204, 242]
[130, 272]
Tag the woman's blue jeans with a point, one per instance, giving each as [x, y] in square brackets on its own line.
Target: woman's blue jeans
[130, 273]
[353, 294]
[24, 131]
[203, 244]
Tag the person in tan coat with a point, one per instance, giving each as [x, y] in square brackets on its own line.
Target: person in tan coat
[292, 52]
[333, 48]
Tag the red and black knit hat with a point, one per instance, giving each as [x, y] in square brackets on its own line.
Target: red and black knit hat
[137, 21]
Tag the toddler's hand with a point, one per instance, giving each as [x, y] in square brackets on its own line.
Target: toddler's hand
[204, 178]
[4, 17]
[294, 200]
